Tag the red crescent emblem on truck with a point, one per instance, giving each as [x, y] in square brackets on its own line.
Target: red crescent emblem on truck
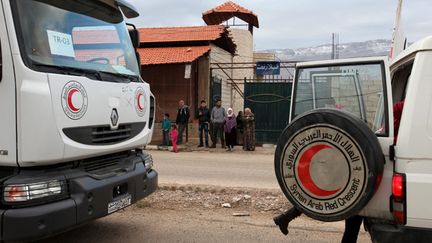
[140, 101]
[304, 175]
[74, 100]
[140, 106]
[69, 100]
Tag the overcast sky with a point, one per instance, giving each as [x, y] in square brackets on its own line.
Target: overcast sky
[304, 23]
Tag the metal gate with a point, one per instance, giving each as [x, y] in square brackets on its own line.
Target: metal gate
[270, 102]
[215, 91]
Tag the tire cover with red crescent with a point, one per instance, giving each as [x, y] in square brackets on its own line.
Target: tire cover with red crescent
[326, 164]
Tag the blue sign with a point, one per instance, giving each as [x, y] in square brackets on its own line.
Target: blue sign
[267, 68]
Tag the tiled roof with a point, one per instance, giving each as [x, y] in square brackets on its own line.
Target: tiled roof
[181, 34]
[228, 10]
[171, 55]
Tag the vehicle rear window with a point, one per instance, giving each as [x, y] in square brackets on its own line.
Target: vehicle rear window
[357, 89]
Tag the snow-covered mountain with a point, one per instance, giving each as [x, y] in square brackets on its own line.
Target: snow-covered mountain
[354, 49]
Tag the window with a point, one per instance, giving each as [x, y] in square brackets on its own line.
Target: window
[76, 38]
[400, 81]
[357, 89]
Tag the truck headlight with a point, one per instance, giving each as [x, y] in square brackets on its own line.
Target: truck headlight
[52, 189]
[148, 162]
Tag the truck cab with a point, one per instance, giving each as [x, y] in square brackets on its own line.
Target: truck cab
[347, 151]
[75, 115]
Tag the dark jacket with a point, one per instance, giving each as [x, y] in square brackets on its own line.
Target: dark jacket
[183, 115]
[205, 115]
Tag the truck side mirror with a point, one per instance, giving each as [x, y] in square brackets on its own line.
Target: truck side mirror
[128, 9]
[134, 35]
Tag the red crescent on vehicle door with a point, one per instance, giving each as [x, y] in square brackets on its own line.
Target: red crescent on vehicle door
[304, 175]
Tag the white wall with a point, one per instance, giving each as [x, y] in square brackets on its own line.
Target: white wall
[244, 41]
[219, 55]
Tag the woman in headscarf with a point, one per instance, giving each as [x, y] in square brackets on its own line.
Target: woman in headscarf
[239, 128]
[230, 130]
[248, 130]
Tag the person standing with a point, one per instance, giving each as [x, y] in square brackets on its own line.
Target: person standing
[230, 130]
[239, 128]
[248, 130]
[204, 119]
[182, 120]
[166, 129]
[217, 118]
[174, 137]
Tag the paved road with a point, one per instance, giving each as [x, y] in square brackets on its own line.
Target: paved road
[237, 169]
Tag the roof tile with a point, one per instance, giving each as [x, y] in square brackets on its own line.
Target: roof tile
[228, 10]
[171, 55]
[181, 34]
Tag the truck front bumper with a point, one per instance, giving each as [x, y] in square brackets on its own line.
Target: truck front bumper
[89, 200]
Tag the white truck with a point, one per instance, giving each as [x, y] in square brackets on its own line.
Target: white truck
[74, 115]
[339, 156]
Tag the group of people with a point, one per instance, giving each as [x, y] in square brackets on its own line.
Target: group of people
[226, 127]
[222, 125]
[172, 134]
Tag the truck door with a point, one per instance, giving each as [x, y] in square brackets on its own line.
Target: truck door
[7, 100]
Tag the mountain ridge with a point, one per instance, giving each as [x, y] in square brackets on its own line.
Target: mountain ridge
[378, 47]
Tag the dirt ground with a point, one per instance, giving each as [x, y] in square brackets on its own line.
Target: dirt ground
[178, 213]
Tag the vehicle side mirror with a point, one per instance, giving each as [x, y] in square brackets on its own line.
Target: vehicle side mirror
[128, 9]
[135, 38]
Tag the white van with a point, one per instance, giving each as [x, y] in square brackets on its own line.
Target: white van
[339, 157]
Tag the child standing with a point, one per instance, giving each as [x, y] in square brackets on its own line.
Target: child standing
[174, 136]
[166, 128]
[230, 129]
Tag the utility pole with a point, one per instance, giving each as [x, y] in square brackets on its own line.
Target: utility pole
[335, 46]
[399, 42]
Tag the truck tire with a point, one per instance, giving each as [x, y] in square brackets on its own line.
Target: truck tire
[328, 164]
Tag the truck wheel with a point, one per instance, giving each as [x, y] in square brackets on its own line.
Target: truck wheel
[328, 164]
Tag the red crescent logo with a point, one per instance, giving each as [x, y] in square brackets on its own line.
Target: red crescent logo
[139, 102]
[69, 100]
[304, 172]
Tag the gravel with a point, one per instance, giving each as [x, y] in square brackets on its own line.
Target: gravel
[213, 197]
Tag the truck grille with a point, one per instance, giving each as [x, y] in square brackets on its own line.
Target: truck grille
[103, 162]
[103, 135]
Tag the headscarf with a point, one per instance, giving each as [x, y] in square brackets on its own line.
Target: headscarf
[248, 112]
[230, 112]
[230, 121]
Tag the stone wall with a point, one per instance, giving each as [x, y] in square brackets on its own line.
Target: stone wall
[219, 55]
[244, 54]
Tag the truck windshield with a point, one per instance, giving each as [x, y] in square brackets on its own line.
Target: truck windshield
[75, 37]
[356, 89]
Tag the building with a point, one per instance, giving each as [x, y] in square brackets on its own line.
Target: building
[195, 63]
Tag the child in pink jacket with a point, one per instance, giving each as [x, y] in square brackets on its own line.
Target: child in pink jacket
[174, 136]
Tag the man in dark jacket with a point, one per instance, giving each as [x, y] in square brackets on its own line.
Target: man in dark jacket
[204, 120]
[182, 120]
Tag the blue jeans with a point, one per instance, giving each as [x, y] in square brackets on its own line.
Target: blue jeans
[203, 128]
[166, 140]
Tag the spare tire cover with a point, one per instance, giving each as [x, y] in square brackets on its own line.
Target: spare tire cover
[328, 164]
